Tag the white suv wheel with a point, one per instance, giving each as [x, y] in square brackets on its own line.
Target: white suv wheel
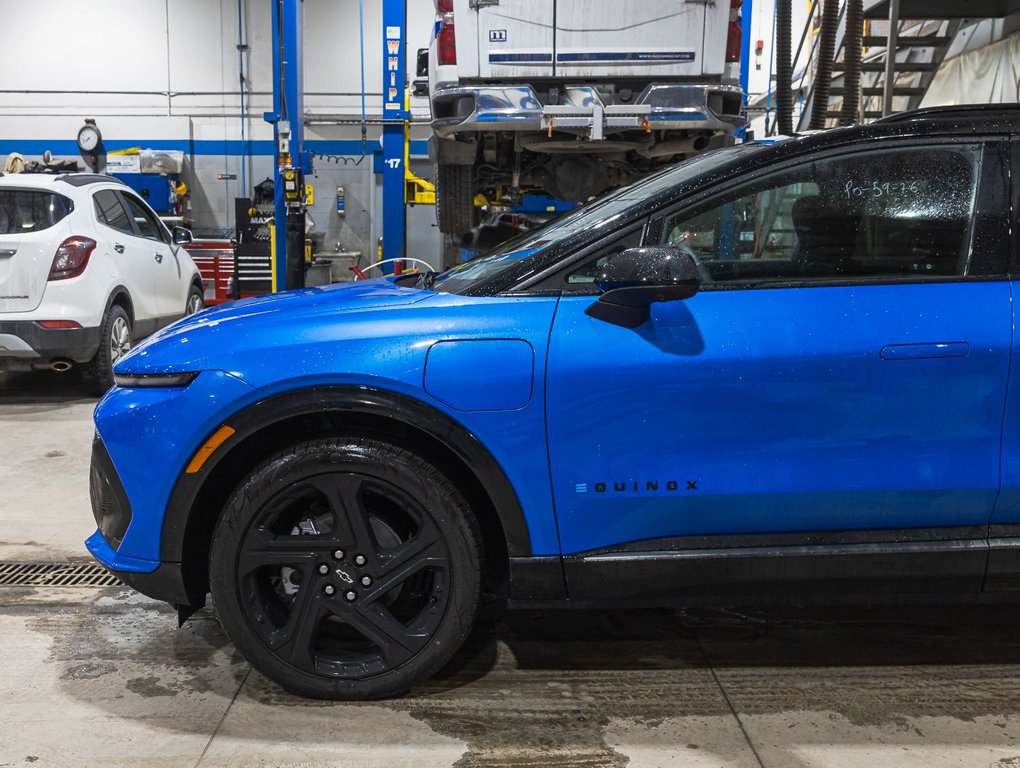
[195, 302]
[120, 339]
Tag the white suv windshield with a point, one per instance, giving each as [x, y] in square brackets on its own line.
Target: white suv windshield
[598, 215]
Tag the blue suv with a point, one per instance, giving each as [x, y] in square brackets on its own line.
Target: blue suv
[776, 369]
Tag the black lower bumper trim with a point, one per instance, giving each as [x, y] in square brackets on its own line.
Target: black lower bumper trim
[78, 345]
[166, 583]
[110, 505]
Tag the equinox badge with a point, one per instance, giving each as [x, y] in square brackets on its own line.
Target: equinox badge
[648, 486]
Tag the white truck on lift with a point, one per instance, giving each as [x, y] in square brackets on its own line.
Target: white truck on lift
[574, 97]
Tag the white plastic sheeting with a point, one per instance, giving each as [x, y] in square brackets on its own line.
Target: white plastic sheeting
[987, 75]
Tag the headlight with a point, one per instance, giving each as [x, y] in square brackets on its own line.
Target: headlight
[153, 379]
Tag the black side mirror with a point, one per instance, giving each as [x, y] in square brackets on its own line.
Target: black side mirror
[182, 235]
[632, 280]
[422, 63]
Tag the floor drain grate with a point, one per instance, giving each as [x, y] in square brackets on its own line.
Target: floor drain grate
[56, 575]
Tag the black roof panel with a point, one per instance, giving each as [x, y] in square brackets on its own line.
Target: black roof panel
[969, 112]
[81, 179]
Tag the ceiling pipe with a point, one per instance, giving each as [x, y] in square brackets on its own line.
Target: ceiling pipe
[784, 67]
[823, 69]
[853, 40]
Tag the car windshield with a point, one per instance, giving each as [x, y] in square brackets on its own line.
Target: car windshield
[599, 214]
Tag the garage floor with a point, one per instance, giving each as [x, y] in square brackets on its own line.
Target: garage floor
[102, 676]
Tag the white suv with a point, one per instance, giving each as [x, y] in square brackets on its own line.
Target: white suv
[86, 268]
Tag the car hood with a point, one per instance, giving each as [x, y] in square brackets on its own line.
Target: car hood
[198, 341]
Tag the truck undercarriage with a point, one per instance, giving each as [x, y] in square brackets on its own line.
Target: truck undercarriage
[570, 98]
[571, 143]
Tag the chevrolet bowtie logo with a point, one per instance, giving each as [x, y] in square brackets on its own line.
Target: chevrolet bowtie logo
[344, 575]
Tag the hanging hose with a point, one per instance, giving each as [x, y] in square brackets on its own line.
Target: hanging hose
[784, 67]
[359, 273]
[852, 61]
[361, 32]
[823, 71]
[282, 84]
[241, 48]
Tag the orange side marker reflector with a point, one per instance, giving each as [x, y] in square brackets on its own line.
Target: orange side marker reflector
[219, 438]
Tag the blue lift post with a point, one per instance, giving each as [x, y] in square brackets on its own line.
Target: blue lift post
[394, 35]
[286, 117]
[746, 12]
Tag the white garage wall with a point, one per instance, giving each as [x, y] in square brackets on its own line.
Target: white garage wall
[164, 73]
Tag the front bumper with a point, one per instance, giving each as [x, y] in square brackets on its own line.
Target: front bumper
[665, 106]
[145, 437]
[112, 511]
[160, 581]
[24, 344]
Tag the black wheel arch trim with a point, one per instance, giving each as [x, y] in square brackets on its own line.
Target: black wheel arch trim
[117, 292]
[357, 400]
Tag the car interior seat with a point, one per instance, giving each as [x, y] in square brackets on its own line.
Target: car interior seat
[826, 237]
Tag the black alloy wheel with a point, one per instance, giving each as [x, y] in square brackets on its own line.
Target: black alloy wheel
[346, 569]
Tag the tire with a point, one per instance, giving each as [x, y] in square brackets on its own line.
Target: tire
[114, 342]
[195, 302]
[455, 198]
[346, 568]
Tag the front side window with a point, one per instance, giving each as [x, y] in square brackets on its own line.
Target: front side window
[585, 274]
[897, 213]
[148, 226]
[27, 210]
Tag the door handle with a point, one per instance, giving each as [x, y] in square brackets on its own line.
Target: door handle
[925, 351]
[118, 248]
[7, 252]
[159, 258]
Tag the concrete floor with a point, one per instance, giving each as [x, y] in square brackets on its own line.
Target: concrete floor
[102, 677]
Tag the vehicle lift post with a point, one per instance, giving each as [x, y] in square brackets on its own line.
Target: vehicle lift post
[746, 12]
[394, 34]
[292, 163]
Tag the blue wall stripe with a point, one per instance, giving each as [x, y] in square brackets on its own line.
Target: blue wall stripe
[201, 147]
[70, 147]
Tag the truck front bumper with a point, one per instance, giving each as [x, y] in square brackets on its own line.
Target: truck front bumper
[665, 106]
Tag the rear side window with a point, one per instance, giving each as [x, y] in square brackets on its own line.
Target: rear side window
[110, 212]
[27, 210]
